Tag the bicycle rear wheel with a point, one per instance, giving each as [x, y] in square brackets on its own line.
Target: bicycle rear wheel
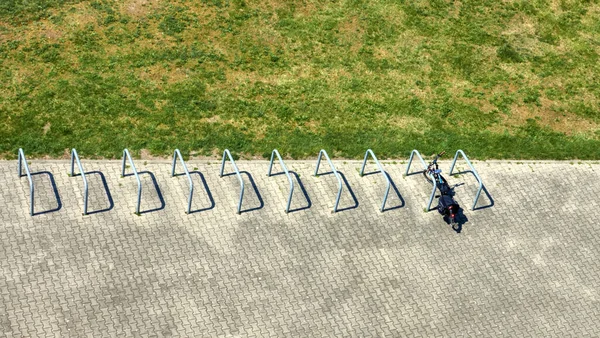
[454, 223]
[427, 176]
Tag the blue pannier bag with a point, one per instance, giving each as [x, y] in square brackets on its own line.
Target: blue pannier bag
[444, 203]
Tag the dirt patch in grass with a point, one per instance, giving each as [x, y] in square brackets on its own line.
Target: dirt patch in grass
[46, 128]
[212, 119]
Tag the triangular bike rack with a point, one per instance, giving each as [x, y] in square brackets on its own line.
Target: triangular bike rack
[472, 170]
[287, 173]
[339, 194]
[412, 154]
[177, 155]
[23, 160]
[385, 175]
[227, 154]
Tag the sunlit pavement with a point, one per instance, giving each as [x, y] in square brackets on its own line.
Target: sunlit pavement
[526, 263]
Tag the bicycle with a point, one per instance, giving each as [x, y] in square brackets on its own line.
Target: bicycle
[447, 206]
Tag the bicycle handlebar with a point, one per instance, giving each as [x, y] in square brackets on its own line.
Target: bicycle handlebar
[438, 156]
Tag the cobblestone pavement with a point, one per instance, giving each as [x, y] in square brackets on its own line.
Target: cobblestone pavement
[527, 266]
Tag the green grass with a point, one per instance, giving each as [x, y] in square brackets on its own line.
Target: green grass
[499, 79]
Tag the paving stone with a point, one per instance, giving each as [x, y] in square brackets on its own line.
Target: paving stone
[525, 264]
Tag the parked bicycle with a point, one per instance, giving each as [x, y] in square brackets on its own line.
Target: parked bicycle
[447, 206]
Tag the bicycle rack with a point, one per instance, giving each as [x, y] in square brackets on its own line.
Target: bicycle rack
[75, 157]
[273, 153]
[415, 151]
[28, 174]
[177, 154]
[237, 172]
[474, 173]
[339, 194]
[127, 156]
[387, 179]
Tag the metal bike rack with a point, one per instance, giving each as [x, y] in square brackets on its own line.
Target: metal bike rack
[127, 156]
[434, 183]
[387, 179]
[28, 174]
[237, 172]
[177, 154]
[474, 173]
[339, 194]
[285, 170]
[75, 157]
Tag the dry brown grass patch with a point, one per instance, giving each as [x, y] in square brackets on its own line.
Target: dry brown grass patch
[159, 74]
[34, 31]
[145, 154]
[422, 93]
[138, 8]
[81, 17]
[520, 24]
[352, 32]
[408, 123]
[307, 8]
[334, 75]
[235, 78]
[52, 34]
[547, 116]
[312, 126]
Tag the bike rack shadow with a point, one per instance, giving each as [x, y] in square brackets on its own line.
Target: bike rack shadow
[304, 192]
[254, 187]
[54, 189]
[489, 197]
[349, 190]
[414, 173]
[111, 203]
[402, 202]
[158, 192]
[483, 188]
[208, 193]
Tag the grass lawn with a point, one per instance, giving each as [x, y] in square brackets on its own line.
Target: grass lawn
[499, 79]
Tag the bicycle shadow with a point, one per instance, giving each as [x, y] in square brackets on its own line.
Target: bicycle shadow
[483, 188]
